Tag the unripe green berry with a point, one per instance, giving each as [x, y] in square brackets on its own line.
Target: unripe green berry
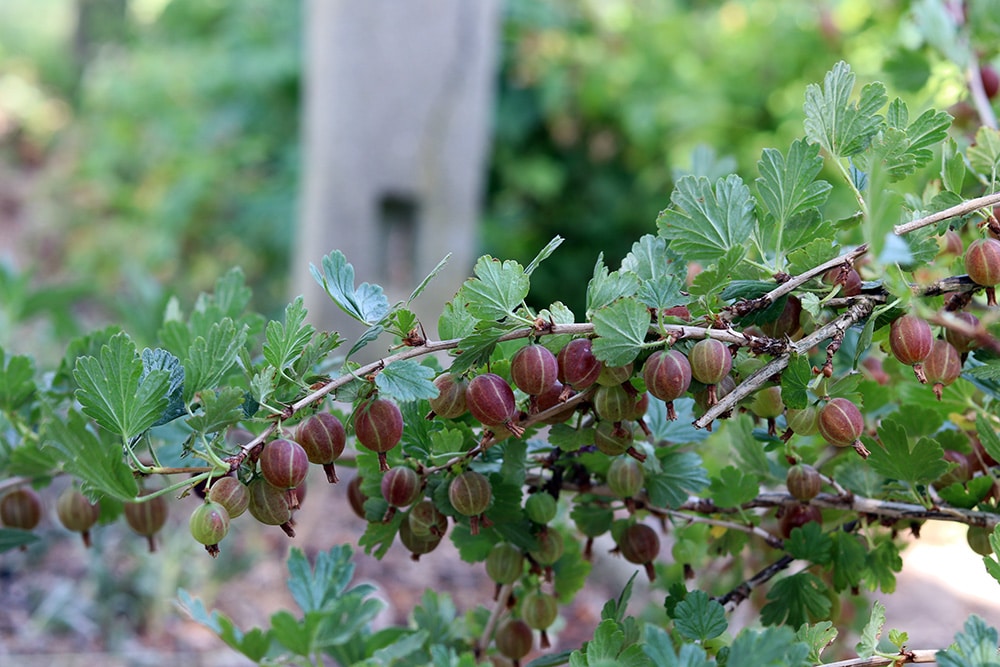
[77, 513]
[209, 523]
[505, 563]
[541, 507]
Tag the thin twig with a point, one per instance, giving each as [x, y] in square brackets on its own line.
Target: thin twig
[904, 658]
[771, 539]
[733, 598]
[858, 311]
[978, 92]
[953, 212]
[501, 605]
[765, 300]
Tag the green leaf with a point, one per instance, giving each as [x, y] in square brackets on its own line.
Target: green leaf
[209, 359]
[984, 154]
[975, 646]
[219, 410]
[682, 475]
[898, 638]
[605, 288]
[927, 131]
[988, 436]
[255, 644]
[733, 487]
[607, 643]
[476, 348]
[570, 439]
[698, 617]
[333, 571]
[868, 643]
[161, 360]
[17, 384]
[771, 647]
[543, 254]
[571, 571]
[795, 380]
[847, 559]
[418, 290]
[591, 519]
[406, 380]
[15, 538]
[896, 458]
[657, 645]
[809, 543]
[952, 167]
[881, 566]
[286, 341]
[841, 127]
[794, 600]
[703, 225]
[714, 279]
[98, 463]
[789, 187]
[497, 290]
[968, 495]
[455, 321]
[621, 329]
[817, 637]
[366, 304]
[114, 392]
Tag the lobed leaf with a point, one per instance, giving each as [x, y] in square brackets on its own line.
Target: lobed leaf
[285, 342]
[98, 463]
[831, 120]
[698, 617]
[209, 359]
[406, 380]
[789, 187]
[17, 383]
[704, 224]
[621, 330]
[366, 304]
[117, 392]
[497, 290]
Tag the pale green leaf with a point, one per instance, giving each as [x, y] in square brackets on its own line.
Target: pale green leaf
[868, 644]
[702, 224]
[841, 127]
[497, 290]
[699, 617]
[406, 380]
[621, 329]
[98, 463]
[285, 342]
[789, 186]
[209, 359]
[116, 391]
[367, 304]
[984, 155]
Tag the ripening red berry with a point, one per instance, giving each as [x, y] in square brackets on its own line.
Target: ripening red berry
[147, 517]
[841, 423]
[796, 516]
[942, 366]
[401, 486]
[491, 401]
[21, 508]
[788, 321]
[323, 438]
[578, 367]
[269, 505]
[378, 426]
[849, 280]
[667, 374]
[803, 481]
[959, 474]
[982, 261]
[910, 340]
[640, 544]
[77, 513]
[232, 494]
[284, 464]
[534, 368]
[552, 397]
[961, 341]
[710, 364]
[991, 81]
[450, 401]
[355, 498]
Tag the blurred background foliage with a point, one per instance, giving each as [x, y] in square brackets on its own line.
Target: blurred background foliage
[163, 133]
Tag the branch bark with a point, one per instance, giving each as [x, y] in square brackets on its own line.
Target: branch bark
[953, 212]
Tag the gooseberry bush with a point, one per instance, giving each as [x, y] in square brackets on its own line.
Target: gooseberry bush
[757, 387]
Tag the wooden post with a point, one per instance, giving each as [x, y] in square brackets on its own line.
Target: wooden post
[396, 116]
